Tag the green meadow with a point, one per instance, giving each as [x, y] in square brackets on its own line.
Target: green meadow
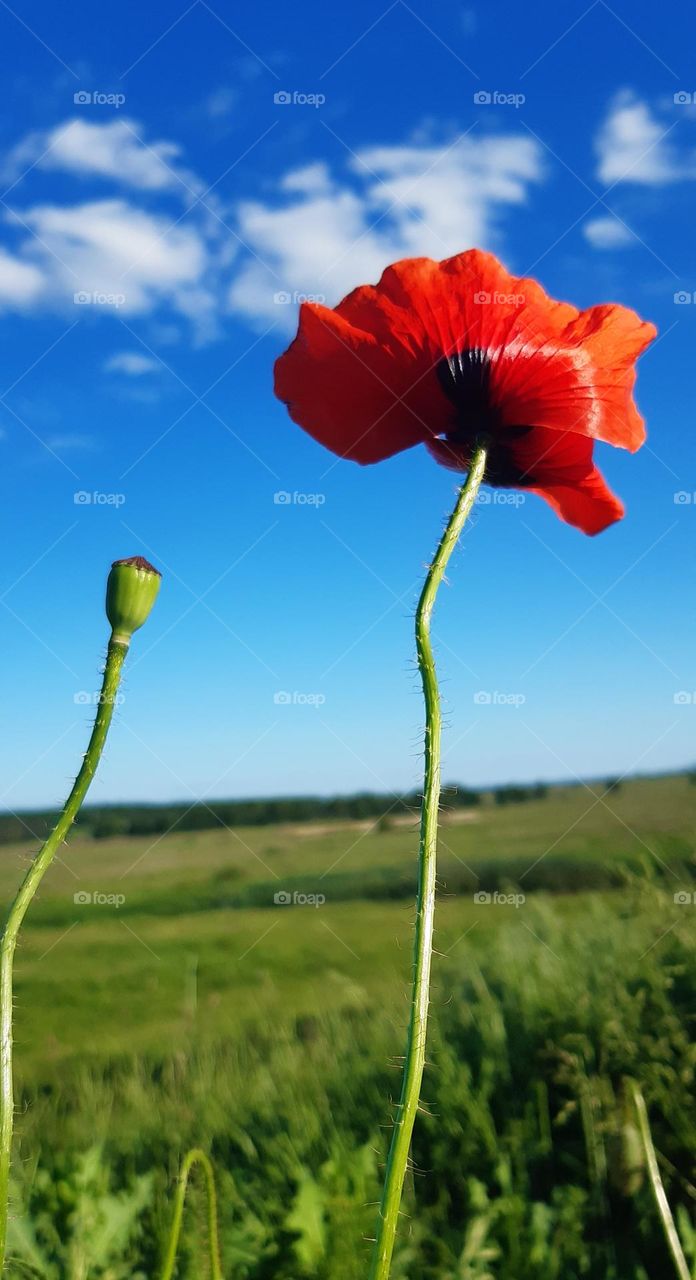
[244, 990]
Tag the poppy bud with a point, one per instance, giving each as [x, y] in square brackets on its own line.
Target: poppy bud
[131, 592]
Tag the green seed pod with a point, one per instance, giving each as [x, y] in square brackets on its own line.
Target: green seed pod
[131, 592]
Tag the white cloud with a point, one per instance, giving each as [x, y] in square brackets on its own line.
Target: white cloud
[133, 363]
[220, 103]
[326, 234]
[116, 150]
[312, 179]
[446, 196]
[142, 259]
[21, 283]
[119, 255]
[71, 442]
[608, 233]
[147, 259]
[314, 231]
[633, 146]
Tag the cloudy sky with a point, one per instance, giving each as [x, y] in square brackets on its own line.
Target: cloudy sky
[173, 182]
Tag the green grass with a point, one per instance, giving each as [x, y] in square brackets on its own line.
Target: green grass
[199, 1012]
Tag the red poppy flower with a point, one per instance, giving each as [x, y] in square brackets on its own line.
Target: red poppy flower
[450, 353]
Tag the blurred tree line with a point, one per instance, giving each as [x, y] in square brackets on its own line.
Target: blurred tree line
[106, 821]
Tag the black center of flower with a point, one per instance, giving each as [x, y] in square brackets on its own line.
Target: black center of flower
[466, 380]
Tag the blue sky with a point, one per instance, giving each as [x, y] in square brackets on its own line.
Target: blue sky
[173, 179]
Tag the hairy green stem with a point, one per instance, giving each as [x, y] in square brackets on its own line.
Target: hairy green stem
[658, 1190]
[112, 673]
[414, 1062]
[195, 1156]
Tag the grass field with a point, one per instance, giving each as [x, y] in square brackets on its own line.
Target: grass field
[187, 1006]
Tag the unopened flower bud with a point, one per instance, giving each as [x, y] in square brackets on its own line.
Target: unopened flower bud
[131, 592]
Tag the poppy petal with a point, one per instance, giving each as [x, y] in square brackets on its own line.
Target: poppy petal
[615, 337]
[587, 504]
[352, 389]
[558, 467]
[551, 364]
[362, 378]
[438, 308]
[444, 353]
[581, 381]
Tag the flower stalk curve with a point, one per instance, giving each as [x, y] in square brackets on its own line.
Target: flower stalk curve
[414, 1062]
[131, 591]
